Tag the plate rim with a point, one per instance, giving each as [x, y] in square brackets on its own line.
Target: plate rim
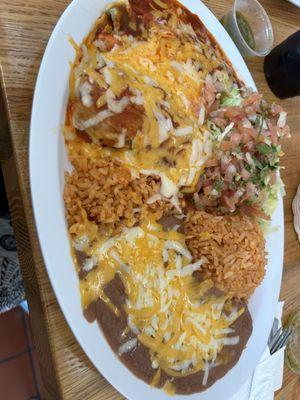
[34, 181]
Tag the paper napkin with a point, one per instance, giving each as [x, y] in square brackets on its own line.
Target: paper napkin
[267, 376]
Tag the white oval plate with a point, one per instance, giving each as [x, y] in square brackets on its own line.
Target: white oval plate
[47, 165]
[295, 2]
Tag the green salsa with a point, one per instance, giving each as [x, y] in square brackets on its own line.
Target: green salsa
[245, 30]
[292, 353]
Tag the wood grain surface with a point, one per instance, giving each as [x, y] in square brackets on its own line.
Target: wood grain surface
[25, 27]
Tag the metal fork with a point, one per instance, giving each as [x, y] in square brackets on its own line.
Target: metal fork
[280, 339]
[273, 330]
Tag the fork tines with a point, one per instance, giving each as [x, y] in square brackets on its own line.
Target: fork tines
[280, 339]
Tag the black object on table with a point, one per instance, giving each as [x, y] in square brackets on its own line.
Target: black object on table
[282, 67]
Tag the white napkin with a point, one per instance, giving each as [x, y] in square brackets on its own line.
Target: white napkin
[267, 376]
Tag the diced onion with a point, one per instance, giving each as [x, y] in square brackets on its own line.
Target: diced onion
[191, 176]
[133, 233]
[81, 242]
[187, 130]
[206, 374]
[226, 130]
[89, 264]
[175, 203]
[249, 158]
[224, 331]
[230, 341]
[168, 187]
[121, 140]
[107, 76]
[117, 258]
[282, 119]
[107, 245]
[184, 100]
[100, 44]
[187, 270]
[197, 200]
[177, 65]
[128, 346]
[196, 152]
[154, 198]
[179, 248]
[149, 81]
[93, 121]
[164, 124]
[116, 106]
[85, 94]
[201, 118]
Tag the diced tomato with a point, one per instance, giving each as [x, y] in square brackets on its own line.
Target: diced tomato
[199, 184]
[207, 182]
[250, 189]
[229, 202]
[84, 136]
[209, 93]
[207, 190]
[108, 41]
[285, 131]
[245, 174]
[252, 99]
[215, 105]
[212, 162]
[235, 139]
[230, 172]
[234, 113]
[249, 131]
[207, 201]
[217, 114]
[254, 212]
[250, 111]
[250, 146]
[225, 145]
[275, 109]
[221, 122]
[273, 133]
[224, 164]
[245, 138]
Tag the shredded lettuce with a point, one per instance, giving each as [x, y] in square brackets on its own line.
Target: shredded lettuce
[234, 98]
[274, 192]
[226, 80]
[214, 130]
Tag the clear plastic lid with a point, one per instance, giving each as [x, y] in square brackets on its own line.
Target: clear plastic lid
[250, 28]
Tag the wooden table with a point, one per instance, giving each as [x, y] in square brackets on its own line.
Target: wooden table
[25, 27]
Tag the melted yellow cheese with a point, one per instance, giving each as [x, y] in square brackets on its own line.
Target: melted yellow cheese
[167, 308]
[166, 305]
[150, 68]
[169, 388]
[167, 74]
[156, 379]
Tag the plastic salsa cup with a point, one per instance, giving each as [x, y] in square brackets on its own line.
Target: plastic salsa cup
[250, 28]
[292, 353]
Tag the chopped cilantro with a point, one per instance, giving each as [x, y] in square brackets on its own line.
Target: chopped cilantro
[257, 122]
[232, 99]
[260, 118]
[264, 148]
[218, 184]
[257, 163]
[248, 167]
